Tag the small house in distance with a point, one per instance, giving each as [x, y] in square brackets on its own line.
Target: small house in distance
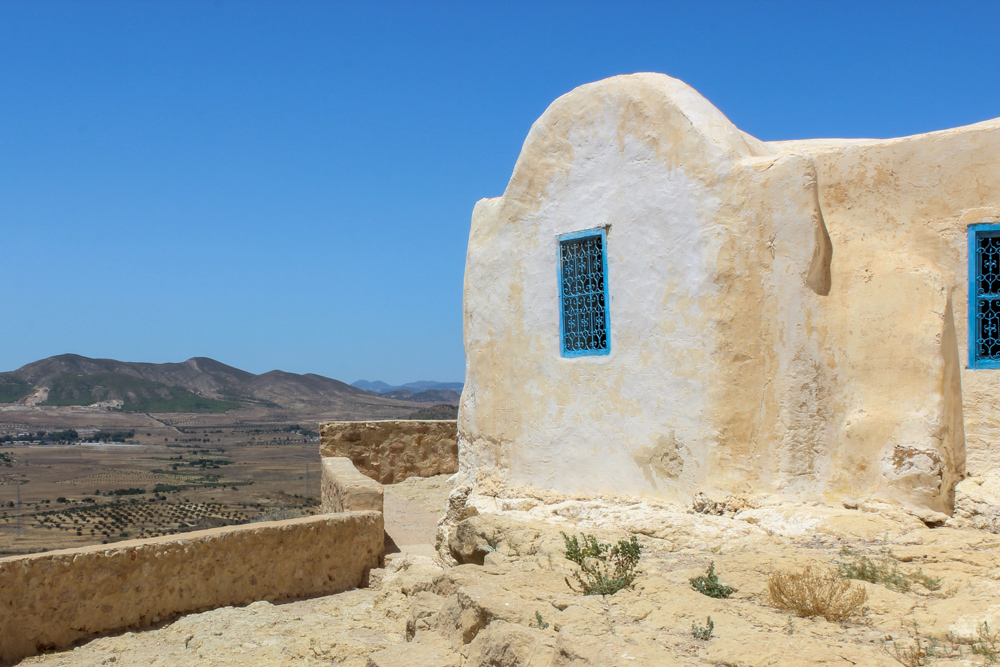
[660, 304]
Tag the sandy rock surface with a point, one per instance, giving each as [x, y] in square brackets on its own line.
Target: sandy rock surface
[413, 508]
[512, 572]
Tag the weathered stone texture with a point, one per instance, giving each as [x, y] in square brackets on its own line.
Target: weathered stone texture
[344, 489]
[517, 610]
[53, 599]
[391, 451]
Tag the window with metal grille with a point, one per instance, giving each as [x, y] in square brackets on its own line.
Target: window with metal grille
[583, 294]
[984, 296]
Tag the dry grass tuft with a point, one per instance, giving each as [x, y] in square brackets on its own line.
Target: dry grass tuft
[810, 594]
[920, 652]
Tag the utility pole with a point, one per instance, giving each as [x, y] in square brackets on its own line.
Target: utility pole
[307, 479]
[19, 509]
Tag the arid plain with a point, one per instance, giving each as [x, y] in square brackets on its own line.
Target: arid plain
[175, 471]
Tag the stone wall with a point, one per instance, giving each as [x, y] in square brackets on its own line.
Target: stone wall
[53, 599]
[391, 451]
[344, 489]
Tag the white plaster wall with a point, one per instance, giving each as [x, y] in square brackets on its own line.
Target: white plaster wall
[651, 381]
[645, 418]
[785, 317]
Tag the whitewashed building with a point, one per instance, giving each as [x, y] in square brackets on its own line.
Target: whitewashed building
[660, 304]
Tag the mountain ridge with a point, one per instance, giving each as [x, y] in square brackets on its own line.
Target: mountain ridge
[423, 391]
[379, 387]
[199, 384]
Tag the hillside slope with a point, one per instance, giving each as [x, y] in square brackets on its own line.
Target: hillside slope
[424, 396]
[424, 391]
[199, 384]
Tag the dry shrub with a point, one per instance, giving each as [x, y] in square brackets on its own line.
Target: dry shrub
[920, 652]
[809, 594]
[986, 643]
[731, 504]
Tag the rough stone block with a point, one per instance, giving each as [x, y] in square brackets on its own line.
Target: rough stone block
[391, 451]
[344, 489]
[53, 599]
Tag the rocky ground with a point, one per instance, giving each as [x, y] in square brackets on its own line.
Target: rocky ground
[508, 602]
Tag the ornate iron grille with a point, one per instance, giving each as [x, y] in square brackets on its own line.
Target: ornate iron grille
[583, 292]
[986, 284]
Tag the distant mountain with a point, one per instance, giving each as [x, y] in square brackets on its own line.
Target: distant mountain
[196, 385]
[428, 384]
[425, 396]
[415, 388]
[376, 387]
[436, 412]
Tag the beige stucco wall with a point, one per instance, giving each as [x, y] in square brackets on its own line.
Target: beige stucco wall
[344, 489]
[53, 599]
[898, 212]
[777, 324]
[389, 451]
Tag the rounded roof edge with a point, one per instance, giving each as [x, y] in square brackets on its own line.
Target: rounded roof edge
[703, 115]
[663, 112]
[660, 93]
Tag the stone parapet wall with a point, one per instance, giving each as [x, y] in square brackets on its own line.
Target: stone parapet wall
[393, 450]
[53, 599]
[344, 489]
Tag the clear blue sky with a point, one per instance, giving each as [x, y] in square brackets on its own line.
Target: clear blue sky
[289, 184]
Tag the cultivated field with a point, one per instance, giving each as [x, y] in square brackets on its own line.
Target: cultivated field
[165, 479]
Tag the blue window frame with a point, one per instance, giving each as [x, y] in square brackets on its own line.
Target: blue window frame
[984, 295]
[584, 322]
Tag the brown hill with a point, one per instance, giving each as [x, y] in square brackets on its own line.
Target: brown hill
[425, 396]
[196, 385]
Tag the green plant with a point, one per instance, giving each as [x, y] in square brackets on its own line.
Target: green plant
[605, 569]
[493, 543]
[986, 643]
[927, 581]
[591, 548]
[703, 632]
[920, 652]
[709, 585]
[883, 569]
[540, 622]
[808, 594]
